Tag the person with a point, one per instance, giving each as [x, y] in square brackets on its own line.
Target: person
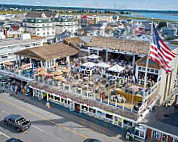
[48, 105]
[3, 89]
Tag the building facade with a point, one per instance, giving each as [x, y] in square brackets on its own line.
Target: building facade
[65, 24]
[40, 24]
[10, 46]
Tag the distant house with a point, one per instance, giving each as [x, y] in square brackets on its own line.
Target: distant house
[15, 31]
[169, 31]
[146, 25]
[96, 29]
[60, 37]
[40, 24]
[64, 23]
[142, 37]
[118, 33]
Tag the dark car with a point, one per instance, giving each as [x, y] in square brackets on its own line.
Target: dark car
[18, 122]
[91, 140]
[13, 140]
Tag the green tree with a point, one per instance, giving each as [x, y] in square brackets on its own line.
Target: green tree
[162, 24]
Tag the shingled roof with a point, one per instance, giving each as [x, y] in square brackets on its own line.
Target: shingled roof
[38, 14]
[49, 52]
[138, 47]
[134, 46]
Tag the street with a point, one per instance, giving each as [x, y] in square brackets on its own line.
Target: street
[47, 126]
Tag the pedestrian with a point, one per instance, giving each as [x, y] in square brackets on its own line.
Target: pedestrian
[48, 105]
[3, 89]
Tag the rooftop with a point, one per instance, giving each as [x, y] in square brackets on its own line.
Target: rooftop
[7, 42]
[37, 14]
[134, 46]
[138, 47]
[163, 118]
[48, 52]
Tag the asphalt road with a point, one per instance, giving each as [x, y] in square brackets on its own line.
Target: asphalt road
[47, 126]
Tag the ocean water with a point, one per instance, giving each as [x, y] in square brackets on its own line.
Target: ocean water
[165, 16]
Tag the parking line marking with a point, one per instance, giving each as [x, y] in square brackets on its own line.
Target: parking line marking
[1, 133]
[44, 118]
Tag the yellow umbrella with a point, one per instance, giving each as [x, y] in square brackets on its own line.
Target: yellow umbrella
[59, 78]
[8, 63]
[42, 69]
[42, 73]
[58, 73]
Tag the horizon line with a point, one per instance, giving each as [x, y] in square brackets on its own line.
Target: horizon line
[100, 8]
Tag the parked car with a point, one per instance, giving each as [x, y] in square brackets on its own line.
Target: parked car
[13, 140]
[91, 140]
[18, 122]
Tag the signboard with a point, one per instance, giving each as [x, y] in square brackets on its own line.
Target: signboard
[27, 69]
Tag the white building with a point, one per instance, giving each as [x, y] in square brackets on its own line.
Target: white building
[9, 46]
[169, 31]
[65, 23]
[40, 24]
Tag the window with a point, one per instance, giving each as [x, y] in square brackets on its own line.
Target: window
[137, 133]
[92, 110]
[141, 134]
[156, 71]
[139, 68]
[127, 123]
[56, 98]
[151, 70]
[43, 33]
[84, 108]
[38, 29]
[109, 116]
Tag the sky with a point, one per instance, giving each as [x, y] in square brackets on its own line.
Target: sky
[113, 4]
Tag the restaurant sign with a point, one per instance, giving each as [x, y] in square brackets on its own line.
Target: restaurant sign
[27, 69]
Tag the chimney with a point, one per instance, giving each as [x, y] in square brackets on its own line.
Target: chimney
[5, 33]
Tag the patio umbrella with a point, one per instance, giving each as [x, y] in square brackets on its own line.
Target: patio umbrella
[59, 78]
[93, 56]
[58, 73]
[89, 64]
[116, 68]
[42, 73]
[42, 69]
[103, 65]
[8, 63]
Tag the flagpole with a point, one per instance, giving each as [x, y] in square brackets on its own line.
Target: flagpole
[147, 61]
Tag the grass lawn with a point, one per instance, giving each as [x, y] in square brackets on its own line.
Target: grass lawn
[11, 12]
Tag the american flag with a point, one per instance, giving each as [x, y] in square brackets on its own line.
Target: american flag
[160, 52]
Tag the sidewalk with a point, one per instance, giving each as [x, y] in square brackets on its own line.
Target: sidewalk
[83, 119]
